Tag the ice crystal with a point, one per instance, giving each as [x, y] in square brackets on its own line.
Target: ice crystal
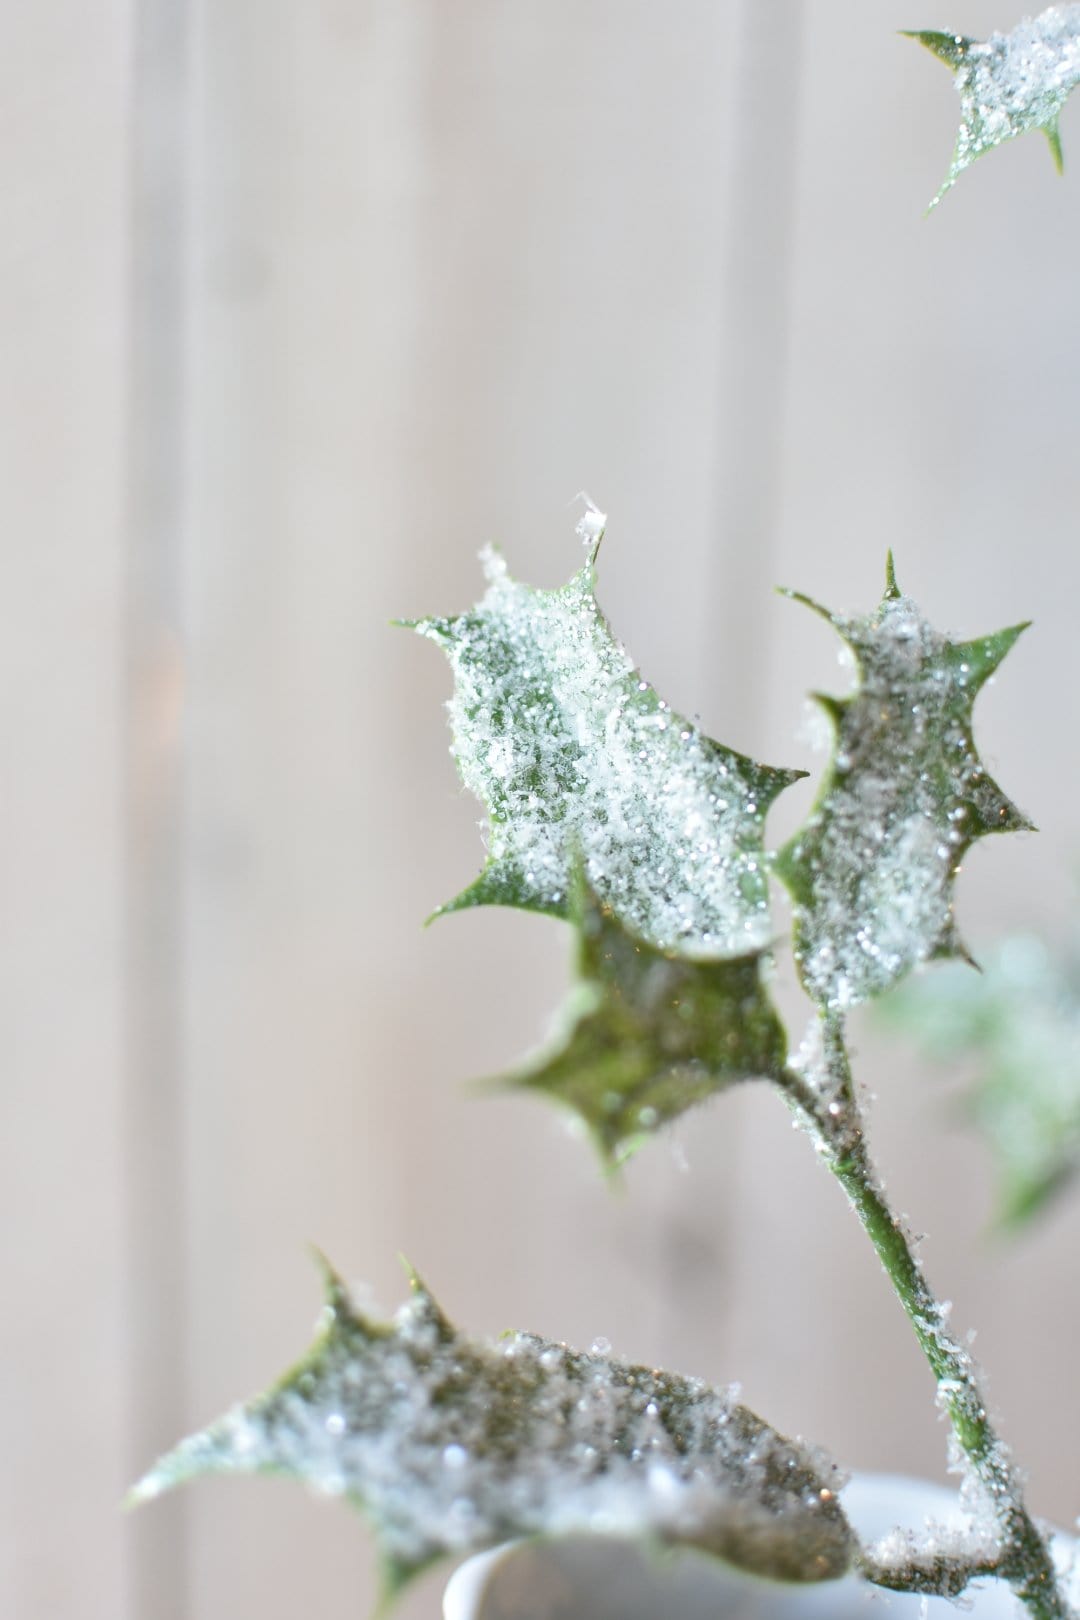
[905, 795]
[1010, 83]
[591, 524]
[579, 761]
[647, 1033]
[449, 1445]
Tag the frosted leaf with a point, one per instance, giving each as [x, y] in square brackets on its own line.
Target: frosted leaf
[579, 762]
[450, 1444]
[647, 1033]
[1010, 83]
[905, 795]
[1020, 1020]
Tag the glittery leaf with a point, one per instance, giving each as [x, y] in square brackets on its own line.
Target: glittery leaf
[450, 1444]
[1010, 83]
[872, 871]
[1016, 1028]
[580, 763]
[647, 1034]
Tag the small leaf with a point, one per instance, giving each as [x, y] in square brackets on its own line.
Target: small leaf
[579, 762]
[450, 1445]
[1020, 1021]
[1011, 83]
[905, 795]
[647, 1033]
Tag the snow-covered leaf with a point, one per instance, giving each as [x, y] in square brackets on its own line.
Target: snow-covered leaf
[1020, 1021]
[905, 795]
[450, 1444]
[647, 1033]
[580, 763]
[1009, 83]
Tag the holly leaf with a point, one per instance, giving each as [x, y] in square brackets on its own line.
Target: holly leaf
[1019, 1020]
[904, 797]
[449, 1445]
[646, 1033]
[1010, 83]
[580, 763]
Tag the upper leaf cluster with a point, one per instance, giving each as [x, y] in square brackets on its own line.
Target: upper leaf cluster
[608, 808]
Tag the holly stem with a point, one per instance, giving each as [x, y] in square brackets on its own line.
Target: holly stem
[829, 1110]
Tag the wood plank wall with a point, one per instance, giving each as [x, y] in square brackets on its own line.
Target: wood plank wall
[65, 298]
[302, 304]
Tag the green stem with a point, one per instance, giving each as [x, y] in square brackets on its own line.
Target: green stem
[1025, 1559]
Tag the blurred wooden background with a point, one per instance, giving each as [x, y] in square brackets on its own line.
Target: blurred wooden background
[300, 305]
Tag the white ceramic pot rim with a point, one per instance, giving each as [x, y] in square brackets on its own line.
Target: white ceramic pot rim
[589, 1579]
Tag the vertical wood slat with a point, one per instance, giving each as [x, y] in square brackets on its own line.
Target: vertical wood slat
[762, 165]
[269, 1067]
[64, 268]
[158, 454]
[756, 172]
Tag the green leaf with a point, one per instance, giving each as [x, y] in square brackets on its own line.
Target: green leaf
[1011, 83]
[449, 1445]
[579, 762]
[905, 795]
[647, 1033]
[1020, 1021]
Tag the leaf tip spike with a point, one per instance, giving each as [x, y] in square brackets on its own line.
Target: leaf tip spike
[834, 707]
[955, 948]
[808, 601]
[935, 200]
[337, 1295]
[425, 1301]
[948, 48]
[412, 1276]
[892, 589]
[1053, 136]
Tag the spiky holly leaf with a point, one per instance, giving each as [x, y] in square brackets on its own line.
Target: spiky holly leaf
[1020, 1021]
[872, 871]
[1010, 83]
[579, 762]
[450, 1444]
[647, 1033]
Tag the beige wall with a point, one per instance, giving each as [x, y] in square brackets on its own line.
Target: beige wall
[301, 304]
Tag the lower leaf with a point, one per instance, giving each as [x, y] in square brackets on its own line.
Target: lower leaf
[450, 1444]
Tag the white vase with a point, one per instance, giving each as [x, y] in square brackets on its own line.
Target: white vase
[593, 1579]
